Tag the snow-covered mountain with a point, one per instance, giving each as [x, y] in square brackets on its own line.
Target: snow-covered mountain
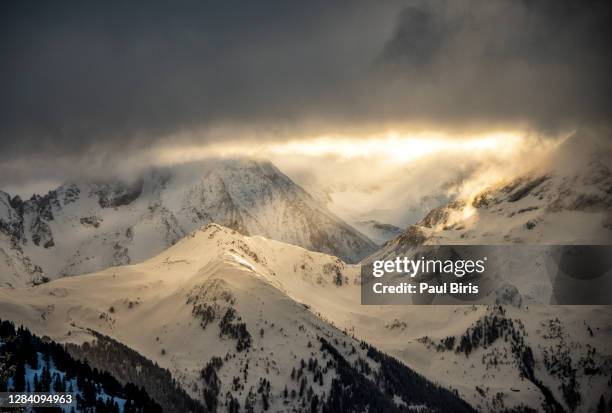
[232, 318]
[566, 200]
[550, 358]
[86, 226]
[264, 304]
[256, 302]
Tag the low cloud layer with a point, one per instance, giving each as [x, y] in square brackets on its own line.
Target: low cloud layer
[100, 81]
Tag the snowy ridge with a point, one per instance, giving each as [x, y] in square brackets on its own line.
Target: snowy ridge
[567, 200]
[217, 292]
[230, 317]
[83, 227]
[218, 301]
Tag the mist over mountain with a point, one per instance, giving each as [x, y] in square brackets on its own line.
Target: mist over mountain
[566, 199]
[191, 195]
[237, 319]
[522, 355]
[85, 226]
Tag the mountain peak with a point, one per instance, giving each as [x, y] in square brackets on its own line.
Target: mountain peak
[565, 200]
[87, 225]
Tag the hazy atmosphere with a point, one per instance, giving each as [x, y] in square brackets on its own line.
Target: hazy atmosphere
[306, 206]
[109, 86]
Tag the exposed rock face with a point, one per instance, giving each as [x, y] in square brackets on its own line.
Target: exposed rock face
[91, 221]
[117, 194]
[440, 216]
[87, 226]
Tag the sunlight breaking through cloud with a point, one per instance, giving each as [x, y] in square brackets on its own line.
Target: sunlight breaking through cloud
[392, 146]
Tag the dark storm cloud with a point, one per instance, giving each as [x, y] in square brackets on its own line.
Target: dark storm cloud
[77, 74]
[81, 77]
[544, 63]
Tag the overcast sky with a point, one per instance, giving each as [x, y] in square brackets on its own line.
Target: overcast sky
[101, 80]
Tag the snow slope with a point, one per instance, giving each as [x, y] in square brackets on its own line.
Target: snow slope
[86, 226]
[542, 357]
[229, 314]
[566, 200]
[159, 308]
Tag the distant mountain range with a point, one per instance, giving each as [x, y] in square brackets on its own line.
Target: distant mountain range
[82, 227]
[246, 316]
